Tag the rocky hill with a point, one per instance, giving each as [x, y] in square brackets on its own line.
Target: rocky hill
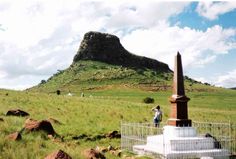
[107, 48]
[102, 62]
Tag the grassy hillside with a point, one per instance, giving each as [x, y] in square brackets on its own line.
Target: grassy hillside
[85, 75]
[93, 75]
[99, 112]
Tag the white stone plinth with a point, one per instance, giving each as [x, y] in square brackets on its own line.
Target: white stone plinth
[190, 143]
[181, 142]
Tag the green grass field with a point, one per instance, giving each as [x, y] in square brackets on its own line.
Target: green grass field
[99, 112]
[113, 94]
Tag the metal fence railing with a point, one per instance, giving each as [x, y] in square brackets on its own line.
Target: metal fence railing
[222, 134]
[136, 134]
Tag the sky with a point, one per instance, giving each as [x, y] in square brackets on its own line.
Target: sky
[40, 37]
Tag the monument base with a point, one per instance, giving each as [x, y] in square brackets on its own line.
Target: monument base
[175, 132]
[181, 142]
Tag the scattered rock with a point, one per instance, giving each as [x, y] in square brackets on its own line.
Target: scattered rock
[96, 137]
[116, 153]
[101, 149]
[109, 148]
[99, 137]
[58, 92]
[59, 154]
[89, 139]
[1, 119]
[54, 121]
[14, 136]
[17, 112]
[50, 136]
[113, 134]
[93, 154]
[82, 136]
[34, 125]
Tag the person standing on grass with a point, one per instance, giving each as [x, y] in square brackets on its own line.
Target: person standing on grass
[158, 116]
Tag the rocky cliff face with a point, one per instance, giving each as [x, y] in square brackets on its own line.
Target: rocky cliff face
[107, 48]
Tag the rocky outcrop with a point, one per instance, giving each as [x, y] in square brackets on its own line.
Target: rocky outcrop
[107, 48]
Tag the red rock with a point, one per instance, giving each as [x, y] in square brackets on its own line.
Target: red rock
[93, 154]
[59, 154]
[116, 152]
[14, 136]
[44, 125]
[17, 112]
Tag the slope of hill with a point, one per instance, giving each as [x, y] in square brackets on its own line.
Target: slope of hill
[94, 116]
[87, 75]
[102, 62]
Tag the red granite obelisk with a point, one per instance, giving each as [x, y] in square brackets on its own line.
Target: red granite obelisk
[179, 101]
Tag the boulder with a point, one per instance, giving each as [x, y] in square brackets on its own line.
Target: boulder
[59, 154]
[17, 112]
[116, 153]
[113, 134]
[34, 125]
[101, 149]
[93, 154]
[82, 136]
[98, 137]
[14, 136]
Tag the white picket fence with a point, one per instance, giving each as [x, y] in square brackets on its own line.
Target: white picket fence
[137, 133]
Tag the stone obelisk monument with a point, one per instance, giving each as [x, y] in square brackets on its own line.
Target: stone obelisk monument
[179, 101]
[179, 139]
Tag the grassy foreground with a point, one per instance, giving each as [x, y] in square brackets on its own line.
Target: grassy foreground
[99, 112]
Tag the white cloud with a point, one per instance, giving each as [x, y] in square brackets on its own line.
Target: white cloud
[39, 37]
[212, 10]
[227, 80]
[197, 47]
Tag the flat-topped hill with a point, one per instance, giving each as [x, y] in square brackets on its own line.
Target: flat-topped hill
[102, 62]
[107, 48]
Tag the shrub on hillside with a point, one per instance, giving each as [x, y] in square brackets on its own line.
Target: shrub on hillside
[148, 100]
[42, 82]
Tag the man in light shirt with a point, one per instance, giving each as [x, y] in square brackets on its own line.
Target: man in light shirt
[158, 116]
